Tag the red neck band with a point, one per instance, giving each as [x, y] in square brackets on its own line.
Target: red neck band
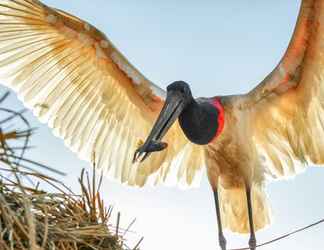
[220, 120]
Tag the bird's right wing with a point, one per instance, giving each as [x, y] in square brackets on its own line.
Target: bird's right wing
[73, 78]
[287, 109]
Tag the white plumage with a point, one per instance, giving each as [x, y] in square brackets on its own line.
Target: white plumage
[75, 80]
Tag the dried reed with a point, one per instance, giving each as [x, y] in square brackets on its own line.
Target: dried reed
[31, 218]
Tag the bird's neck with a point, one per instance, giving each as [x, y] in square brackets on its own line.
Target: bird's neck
[202, 121]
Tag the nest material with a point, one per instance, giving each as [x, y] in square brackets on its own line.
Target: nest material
[31, 218]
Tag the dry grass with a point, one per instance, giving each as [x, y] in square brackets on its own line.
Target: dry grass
[31, 218]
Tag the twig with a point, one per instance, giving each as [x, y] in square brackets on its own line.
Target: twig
[283, 236]
[137, 245]
[117, 226]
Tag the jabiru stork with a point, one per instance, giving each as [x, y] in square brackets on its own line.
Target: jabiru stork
[72, 77]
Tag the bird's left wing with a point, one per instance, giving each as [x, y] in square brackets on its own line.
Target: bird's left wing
[286, 111]
[73, 78]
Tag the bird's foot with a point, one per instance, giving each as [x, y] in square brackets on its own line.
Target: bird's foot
[222, 242]
[252, 242]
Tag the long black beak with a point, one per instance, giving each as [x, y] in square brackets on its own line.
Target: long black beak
[174, 104]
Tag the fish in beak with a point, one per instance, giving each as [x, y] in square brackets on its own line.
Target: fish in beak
[173, 106]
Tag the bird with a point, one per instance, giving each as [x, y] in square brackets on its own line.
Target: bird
[75, 80]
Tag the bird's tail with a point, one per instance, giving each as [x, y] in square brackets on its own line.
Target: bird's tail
[234, 212]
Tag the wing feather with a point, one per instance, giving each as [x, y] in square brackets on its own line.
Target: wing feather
[287, 108]
[74, 79]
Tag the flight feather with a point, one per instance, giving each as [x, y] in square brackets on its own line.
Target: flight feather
[72, 77]
[287, 108]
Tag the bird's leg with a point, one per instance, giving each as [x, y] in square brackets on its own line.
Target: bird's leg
[221, 238]
[252, 241]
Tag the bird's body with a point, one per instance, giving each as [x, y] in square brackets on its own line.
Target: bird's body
[232, 163]
[74, 79]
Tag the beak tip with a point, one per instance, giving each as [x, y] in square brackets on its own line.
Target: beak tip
[135, 158]
[139, 156]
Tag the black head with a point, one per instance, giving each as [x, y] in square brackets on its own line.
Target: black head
[181, 87]
[181, 90]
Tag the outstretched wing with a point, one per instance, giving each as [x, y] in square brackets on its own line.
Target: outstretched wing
[287, 108]
[73, 78]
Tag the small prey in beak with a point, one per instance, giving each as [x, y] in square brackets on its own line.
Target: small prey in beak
[177, 98]
[143, 152]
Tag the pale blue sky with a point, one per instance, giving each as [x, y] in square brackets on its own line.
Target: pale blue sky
[219, 47]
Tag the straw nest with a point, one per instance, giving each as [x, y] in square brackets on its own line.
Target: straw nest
[31, 218]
